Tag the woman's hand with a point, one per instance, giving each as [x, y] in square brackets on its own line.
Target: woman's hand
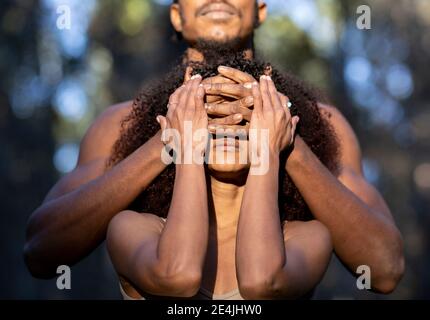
[186, 115]
[271, 113]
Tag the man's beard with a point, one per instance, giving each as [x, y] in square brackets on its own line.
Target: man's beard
[215, 51]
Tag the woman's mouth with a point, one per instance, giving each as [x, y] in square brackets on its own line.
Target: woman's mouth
[226, 143]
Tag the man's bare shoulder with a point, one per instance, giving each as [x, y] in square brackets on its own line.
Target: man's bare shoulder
[349, 144]
[114, 113]
[103, 132]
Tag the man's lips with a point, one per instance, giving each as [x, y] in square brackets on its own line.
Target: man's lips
[216, 7]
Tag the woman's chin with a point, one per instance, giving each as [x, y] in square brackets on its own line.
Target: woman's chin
[231, 169]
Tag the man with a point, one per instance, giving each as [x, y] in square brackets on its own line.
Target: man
[75, 214]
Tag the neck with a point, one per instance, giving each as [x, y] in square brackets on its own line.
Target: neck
[225, 199]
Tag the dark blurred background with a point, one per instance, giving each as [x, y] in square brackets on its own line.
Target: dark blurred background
[55, 81]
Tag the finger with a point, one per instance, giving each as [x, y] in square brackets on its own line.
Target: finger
[199, 99]
[228, 108]
[268, 70]
[273, 93]
[217, 79]
[174, 100]
[162, 121]
[183, 98]
[236, 75]
[256, 94]
[294, 121]
[188, 73]
[247, 102]
[214, 99]
[229, 120]
[267, 104]
[194, 83]
[214, 128]
[227, 89]
[284, 100]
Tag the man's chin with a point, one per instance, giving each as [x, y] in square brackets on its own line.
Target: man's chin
[216, 41]
[216, 48]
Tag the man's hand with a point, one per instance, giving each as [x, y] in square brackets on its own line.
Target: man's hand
[228, 100]
[222, 119]
[231, 84]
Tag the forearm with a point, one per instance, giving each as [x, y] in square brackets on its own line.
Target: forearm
[271, 264]
[65, 229]
[183, 242]
[260, 251]
[361, 234]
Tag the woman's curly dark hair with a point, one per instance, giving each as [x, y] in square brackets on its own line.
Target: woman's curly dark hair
[140, 125]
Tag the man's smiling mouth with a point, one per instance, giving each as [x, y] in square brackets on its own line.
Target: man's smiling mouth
[217, 11]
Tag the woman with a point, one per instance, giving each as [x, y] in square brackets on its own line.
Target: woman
[214, 231]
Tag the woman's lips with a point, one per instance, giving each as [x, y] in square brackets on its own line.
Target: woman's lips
[226, 142]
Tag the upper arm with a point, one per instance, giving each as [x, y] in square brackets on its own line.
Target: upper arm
[94, 151]
[132, 241]
[308, 250]
[351, 172]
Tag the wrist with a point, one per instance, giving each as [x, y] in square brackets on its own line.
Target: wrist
[189, 171]
[297, 155]
[156, 145]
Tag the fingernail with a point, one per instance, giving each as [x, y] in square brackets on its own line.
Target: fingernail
[237, 116]
[255, 83]
[268, 77]
[208, 106]
[211, 127]
[158, 120]
[207, 86]
[222, 68]
[248, 85]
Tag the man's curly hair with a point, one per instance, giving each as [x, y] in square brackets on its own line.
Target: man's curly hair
[140, 125]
